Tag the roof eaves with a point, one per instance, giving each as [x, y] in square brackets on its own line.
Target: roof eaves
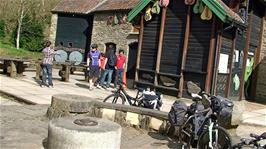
[224, 12]
[98, 5]
[136, 10]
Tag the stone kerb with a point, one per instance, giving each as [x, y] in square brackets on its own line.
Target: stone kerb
[73, 105]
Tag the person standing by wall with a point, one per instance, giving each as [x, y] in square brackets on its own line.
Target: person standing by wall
[102, 67]
[47, 63]
[120, 65]
[93, 61]
[109, 68]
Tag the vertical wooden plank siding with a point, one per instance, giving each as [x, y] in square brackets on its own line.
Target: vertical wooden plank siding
[211, 57]
[229, 77]
[242, 81]
[220, 27]
[181, 82]
[255, 66]
[139, 46]
[160, 46]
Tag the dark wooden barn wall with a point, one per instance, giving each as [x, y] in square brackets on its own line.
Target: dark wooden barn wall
[198, 50]
[240, 41]
[150, 43]
[255, 30]
[173, 38]
[149, 48]
[72, 29]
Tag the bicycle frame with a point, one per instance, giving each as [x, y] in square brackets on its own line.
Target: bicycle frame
[128, 98]
[208, 121]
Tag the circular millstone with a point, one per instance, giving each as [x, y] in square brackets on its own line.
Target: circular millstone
[85, 122]
[83, 133]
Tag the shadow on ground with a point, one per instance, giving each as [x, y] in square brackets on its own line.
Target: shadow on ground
[44, 143]
[164, 140]
[83, 85]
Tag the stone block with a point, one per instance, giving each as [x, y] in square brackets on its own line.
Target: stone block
[132, 118]
[120, 117]
[239, 108]
[108, 114]
[155, 123]
[144, 121]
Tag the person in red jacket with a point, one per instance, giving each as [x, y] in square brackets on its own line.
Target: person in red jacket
[102, 64]
[120, 65]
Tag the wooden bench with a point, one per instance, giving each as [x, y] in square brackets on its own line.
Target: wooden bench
[66, 69]
[13, 67]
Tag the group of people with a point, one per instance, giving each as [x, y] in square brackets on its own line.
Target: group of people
[101, 67]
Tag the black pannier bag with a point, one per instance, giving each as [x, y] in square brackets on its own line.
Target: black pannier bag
[222, 106]
[149, 101]
[177, 114]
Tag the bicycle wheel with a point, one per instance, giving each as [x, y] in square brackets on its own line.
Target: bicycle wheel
[116, 99]
[141, 103]
[223, 141]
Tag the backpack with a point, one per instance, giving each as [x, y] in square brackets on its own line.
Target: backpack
[177, 114]
[111, 60]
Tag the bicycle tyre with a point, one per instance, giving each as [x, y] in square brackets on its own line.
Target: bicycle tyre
[224, 139]
[140, 103]
[113, 98]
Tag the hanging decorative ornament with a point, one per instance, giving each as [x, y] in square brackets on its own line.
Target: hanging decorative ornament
[115, 21]
[164, 3]
[124, 19]
[196, 7]
[147, 15]
[119, 18]
[155, 8]
[206, 14]
[201, 6]
[189, 2]
[110, 20]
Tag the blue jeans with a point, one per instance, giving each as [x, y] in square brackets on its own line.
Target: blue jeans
[108, 72]
[47, 71]
[119, 76]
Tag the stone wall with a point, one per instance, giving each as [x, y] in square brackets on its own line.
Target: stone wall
[73, 105]
[261, 78]
[64, 105]
[53, 28]
[263, 46]
[261, 82]
[118, 34]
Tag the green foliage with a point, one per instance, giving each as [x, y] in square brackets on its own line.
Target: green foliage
[31, 36]
[2, 28]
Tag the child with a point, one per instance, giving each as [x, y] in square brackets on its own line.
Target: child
[103, 61]
[120, 65]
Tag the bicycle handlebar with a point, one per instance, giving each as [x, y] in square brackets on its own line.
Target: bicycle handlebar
[258, 137]
[254, 141]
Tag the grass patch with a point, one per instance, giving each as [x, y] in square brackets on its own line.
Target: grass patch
[10, 51]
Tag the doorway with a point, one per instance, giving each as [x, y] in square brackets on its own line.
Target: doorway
[131, 64]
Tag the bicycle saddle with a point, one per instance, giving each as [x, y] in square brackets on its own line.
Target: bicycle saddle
[196, 96]
[254, 136]
[263, 135]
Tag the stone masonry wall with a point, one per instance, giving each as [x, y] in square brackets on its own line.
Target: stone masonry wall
[118, 34]
[53, 28]
[261, 82]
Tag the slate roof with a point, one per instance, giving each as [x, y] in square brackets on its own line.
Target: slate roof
[88, 6]
[117, 5]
